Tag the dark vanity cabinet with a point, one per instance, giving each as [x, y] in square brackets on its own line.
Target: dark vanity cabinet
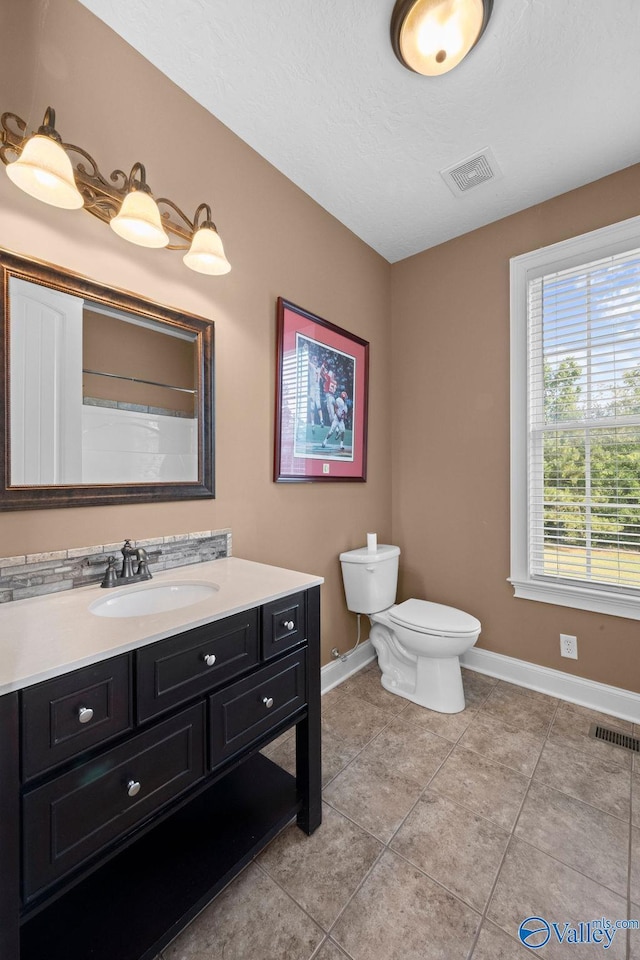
[134, 789]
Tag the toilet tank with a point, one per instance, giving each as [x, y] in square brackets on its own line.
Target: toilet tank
[370, 578]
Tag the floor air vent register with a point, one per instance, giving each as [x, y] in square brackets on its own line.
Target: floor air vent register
[614, 737]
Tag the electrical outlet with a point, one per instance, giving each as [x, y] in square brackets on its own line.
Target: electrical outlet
[568, 646]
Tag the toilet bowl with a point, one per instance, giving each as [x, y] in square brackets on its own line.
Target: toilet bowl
[418, 642]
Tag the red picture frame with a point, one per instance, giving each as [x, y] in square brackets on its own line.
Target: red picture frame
[322, 385]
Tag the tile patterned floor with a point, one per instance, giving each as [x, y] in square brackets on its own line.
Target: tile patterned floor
[440, 835]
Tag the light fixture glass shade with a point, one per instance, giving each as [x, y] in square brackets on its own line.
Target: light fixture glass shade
[44, 171]
[206, 253]
[138, 220]
[434, 36]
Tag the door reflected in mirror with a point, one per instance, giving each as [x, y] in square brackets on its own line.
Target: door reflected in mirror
[98, 395]
[109, 396]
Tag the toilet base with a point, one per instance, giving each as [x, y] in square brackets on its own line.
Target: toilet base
[431, 682]
[437, 685]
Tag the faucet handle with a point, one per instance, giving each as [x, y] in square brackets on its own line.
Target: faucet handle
[110, 576]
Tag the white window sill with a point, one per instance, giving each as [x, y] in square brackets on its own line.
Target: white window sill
[581, 598]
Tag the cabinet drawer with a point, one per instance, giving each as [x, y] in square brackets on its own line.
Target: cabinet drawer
[77, 814]
[283, 625]
[69, 714]
[249, 708]
[174, 670]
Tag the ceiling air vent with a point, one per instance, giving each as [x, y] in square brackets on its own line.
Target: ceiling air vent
[467, 174]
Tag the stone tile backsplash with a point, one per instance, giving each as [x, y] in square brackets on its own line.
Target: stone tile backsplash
[39, 573]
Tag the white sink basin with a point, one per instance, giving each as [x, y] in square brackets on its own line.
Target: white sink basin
[152, 598]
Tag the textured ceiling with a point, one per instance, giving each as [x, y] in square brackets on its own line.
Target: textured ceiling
[313, 86]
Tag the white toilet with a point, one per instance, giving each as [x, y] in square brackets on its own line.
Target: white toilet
[418, 643]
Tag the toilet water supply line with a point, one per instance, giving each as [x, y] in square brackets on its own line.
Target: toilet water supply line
[344, 656]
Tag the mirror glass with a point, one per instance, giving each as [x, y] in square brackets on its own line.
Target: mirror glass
[108, 396]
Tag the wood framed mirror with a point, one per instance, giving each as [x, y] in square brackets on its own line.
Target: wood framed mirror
[108, 397]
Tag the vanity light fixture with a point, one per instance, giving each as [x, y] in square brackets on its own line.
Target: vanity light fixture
[206, 253]
[138, 220]
[43, 169]
[432, 37]
[67, 176]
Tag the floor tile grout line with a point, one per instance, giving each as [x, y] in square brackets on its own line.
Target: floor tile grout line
[341, 950]
[452, 744]
[438, 883]
[477, 709]
[587, 803]
[464, 806]
[589, 756]
[351, 820]
[461, 803]
[354, 894]
[385, 845]
[293, 900]
[421, 794]
[509, 843]
[206, 906]
[317, 950]
[498, 763]
[581, 873]
[364, 747]
[341, 813]
[583, 753]
[375, 737]
[571, 796]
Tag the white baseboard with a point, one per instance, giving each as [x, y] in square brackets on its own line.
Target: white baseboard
[588, 693]
[339, 670]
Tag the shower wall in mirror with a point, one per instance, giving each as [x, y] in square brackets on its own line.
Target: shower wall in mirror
[108, 396]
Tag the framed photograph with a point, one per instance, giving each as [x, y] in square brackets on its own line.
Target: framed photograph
[322, 381]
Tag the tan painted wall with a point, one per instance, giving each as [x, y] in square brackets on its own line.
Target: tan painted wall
[450, 345]
[110, 101]
[441, 406]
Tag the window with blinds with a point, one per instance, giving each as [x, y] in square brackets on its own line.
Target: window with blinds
[584, 422]
[575, 429]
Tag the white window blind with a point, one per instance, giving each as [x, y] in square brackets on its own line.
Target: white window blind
[583, 415]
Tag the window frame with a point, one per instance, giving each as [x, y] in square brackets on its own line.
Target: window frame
[573, 252]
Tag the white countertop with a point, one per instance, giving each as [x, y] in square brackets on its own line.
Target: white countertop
[47, 636]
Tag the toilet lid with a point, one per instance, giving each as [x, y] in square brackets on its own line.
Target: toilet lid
[434, 618]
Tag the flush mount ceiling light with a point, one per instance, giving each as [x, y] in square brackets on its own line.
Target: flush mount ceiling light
[432, 37]
[67, 176]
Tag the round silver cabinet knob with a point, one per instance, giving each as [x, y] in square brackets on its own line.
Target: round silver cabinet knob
[85, 714]
[289, 624]
[133, 788]
[268, 702]
[209, 659]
